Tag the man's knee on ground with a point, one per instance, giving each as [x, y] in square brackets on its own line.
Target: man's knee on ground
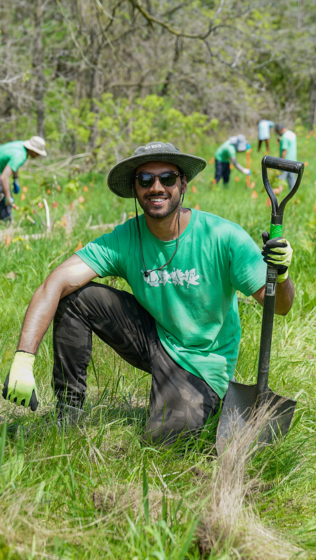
[165, 428]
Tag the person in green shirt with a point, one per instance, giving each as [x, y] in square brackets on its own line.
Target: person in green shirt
[288, 150]
[226, 155]
[12, 156]
[180, 324]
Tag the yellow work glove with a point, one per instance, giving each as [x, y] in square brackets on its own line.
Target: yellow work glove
[277, 253]
[19, 386]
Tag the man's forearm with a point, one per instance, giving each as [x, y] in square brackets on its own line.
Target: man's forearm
[65, 279]
[284, 297]
[38, 317]
[6, 186]
[237, 165]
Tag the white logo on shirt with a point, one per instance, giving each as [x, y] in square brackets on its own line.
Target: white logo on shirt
[176, 277]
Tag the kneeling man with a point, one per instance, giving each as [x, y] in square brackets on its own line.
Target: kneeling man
[181, 324]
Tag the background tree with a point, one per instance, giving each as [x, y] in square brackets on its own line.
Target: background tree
[231, 60]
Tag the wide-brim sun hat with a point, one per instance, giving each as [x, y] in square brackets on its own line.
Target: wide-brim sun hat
[121, 177]
[239, 142]
[36, 144]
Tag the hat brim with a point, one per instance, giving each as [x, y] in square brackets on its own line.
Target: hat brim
[121, 177]
[27, 144]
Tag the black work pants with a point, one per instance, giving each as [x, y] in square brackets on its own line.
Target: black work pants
[222, 170]
[179, 401]
[5, 211]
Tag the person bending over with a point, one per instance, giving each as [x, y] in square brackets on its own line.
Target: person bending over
[181, 324]
[12, 156]
[226, 155]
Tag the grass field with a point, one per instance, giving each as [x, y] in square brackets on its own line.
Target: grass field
[97, 491]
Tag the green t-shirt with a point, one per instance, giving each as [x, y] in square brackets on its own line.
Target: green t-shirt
[225, 152]
[13, 154]
[288, 143]
[193, 300]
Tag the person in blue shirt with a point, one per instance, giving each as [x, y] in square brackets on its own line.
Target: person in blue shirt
[264, 133]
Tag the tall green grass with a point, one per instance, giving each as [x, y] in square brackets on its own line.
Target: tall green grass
[96, 491]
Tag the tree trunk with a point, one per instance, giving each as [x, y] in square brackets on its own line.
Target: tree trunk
[169, 76]
[94, 108]
[38, 65]
[93, 95]
[312, 103]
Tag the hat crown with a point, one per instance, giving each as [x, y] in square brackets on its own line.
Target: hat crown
[156, 148]
[37, 142]
[239, 142]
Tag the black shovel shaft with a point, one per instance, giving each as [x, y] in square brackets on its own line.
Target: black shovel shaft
[266, 334]
[272, 274]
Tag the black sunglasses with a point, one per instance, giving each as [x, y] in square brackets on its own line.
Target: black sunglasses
[167, 179]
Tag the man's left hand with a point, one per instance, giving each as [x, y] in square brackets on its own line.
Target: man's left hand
[277, 253]
[8, 200]
[16, 186]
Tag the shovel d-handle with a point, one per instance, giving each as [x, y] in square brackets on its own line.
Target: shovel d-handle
[269, 162]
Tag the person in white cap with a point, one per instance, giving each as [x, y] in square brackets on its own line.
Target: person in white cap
[226, 155]
[12, 156]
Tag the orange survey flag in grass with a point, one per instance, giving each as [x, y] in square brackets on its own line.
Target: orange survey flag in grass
[7, 239]
[248, 167]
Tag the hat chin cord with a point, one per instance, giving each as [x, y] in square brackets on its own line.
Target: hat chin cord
[148, 272]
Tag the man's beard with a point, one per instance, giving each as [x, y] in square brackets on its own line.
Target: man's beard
[159, 215]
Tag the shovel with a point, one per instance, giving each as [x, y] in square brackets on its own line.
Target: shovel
[241, 401]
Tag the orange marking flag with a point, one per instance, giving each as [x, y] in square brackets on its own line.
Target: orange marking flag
[248, 167]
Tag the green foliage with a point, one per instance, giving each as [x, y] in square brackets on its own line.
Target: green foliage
[72, 187]
[6, 553]
[123, 125]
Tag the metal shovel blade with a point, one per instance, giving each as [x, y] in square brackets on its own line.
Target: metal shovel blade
[240, 403]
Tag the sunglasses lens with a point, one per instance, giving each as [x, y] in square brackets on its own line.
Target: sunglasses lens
[146, 180]
[168, 179]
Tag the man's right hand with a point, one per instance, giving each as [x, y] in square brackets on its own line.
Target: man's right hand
[19, 386]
